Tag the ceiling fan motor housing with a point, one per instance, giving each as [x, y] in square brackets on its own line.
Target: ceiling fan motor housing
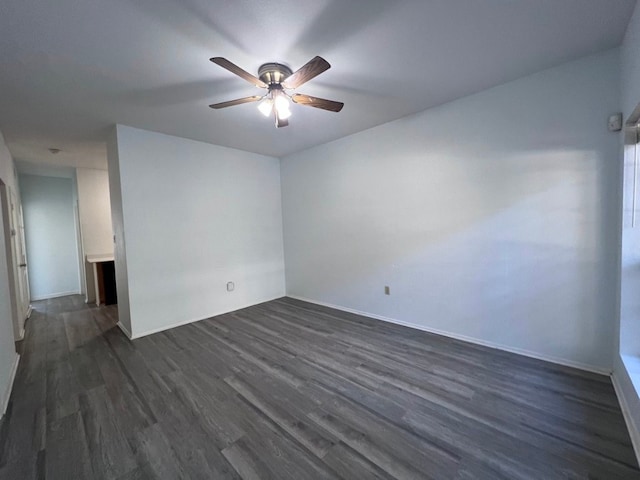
[273, 73]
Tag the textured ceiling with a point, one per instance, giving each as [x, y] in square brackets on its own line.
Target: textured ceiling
[70, 69]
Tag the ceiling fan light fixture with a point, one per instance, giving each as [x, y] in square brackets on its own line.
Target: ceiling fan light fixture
[281, 104]
[266, 106]
[284, 113]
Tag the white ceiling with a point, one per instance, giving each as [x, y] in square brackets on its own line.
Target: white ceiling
[70, 69]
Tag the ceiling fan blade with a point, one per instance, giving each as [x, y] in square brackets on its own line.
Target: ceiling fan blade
[317, 102]
[239, 101]
[233, 68]
[311, 69]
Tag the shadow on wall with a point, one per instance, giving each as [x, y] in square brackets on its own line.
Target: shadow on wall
[493, 216]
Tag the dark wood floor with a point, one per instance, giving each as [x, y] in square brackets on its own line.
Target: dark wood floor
[289, 390]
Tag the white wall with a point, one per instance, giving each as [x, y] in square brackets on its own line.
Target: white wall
[195, 216]
[8, 355]
[95, 219]
[50, 235]
[95, 211]
[627, 356]
[630, 52]
[117, 219]
[490, 217]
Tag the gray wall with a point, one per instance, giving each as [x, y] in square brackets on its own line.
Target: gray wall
[491, 218]
[50, 235]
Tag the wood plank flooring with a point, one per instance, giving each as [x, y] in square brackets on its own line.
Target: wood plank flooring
[290, 390]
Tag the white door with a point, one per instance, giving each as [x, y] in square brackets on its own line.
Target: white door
[19, 261]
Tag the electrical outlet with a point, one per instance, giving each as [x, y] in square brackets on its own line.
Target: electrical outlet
[230, 286]
[387, 291]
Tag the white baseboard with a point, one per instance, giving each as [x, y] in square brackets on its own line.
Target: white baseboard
[186, 322]
[7, 393]
[21, 335]
[634, 430]
[125, 330]
[55, 295]
[464, 338]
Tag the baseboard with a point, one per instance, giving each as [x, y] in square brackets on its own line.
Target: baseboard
[21, 334]
[7, 393]
[464, 338]
[55, 295]
[634, 430]
[27, 317]
[186, 322]
[125, 330]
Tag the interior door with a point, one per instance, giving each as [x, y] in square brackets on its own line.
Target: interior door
[20, 262]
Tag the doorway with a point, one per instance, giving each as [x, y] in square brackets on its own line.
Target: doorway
[50, 235]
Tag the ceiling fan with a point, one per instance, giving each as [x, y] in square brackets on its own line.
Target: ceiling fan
[277, 79]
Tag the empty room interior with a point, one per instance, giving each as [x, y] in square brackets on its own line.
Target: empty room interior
[375, 239]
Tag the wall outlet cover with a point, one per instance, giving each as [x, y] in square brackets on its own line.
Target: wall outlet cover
[615, 122]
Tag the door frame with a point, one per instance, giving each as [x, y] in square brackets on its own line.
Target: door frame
[23, 298]
[13, 233]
